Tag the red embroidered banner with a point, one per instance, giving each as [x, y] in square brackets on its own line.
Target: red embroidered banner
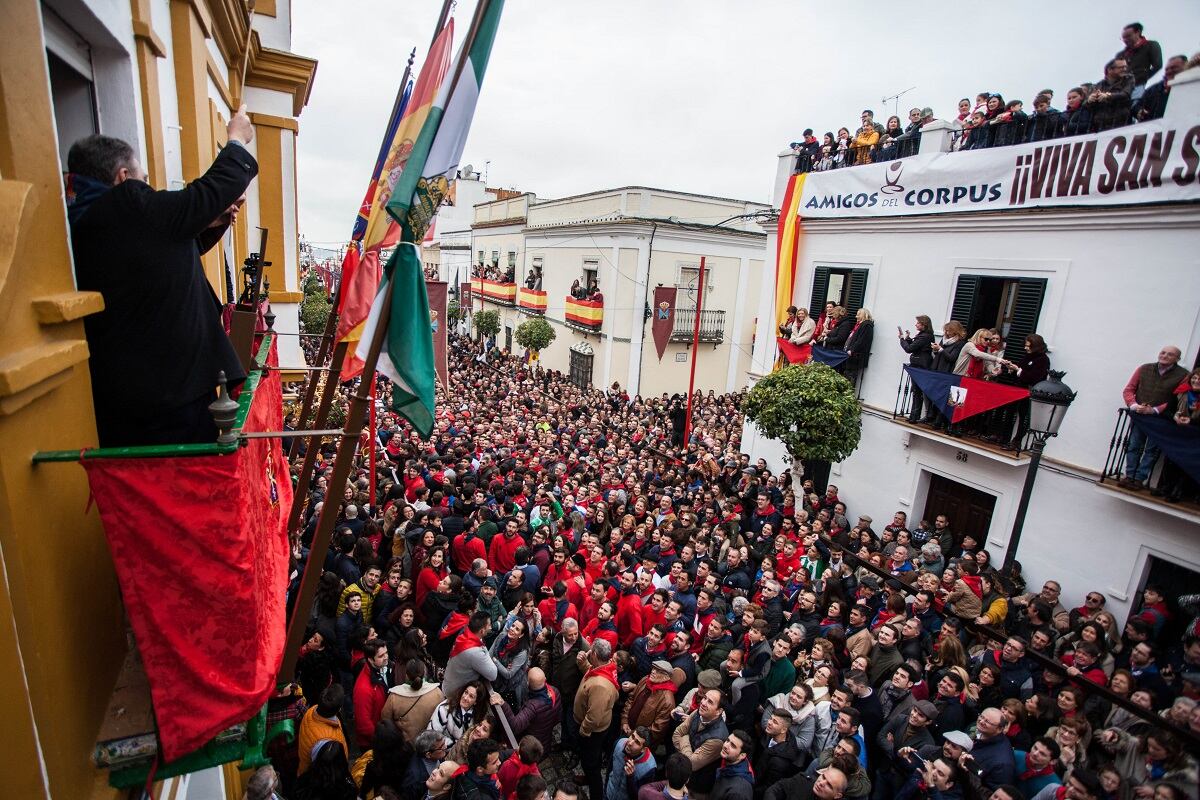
[201, 552]
[664, 317]
[436, 293]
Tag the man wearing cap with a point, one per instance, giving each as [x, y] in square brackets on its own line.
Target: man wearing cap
[707, 679]
[651, 702]
[909, 731]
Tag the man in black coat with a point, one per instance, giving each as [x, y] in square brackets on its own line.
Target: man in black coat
[158, 345]
[779, 755]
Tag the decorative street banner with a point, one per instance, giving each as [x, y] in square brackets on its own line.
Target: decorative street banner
[436, 292]
[1152, 162]
[960, 397]
[664, 317]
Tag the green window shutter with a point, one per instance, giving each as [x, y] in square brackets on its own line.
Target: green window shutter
[1027, 309]
[965, 293]
[816, 303]
[857, 293]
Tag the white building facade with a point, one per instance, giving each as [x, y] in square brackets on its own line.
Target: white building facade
[1108, 272]
[628, 242]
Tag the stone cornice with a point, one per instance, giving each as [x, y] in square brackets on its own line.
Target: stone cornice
[281, 71]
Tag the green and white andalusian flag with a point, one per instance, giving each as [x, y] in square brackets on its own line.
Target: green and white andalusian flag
[407, 354]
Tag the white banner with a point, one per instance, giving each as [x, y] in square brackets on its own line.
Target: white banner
[1152, 162]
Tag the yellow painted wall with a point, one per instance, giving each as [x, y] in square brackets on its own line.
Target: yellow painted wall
[65, 612]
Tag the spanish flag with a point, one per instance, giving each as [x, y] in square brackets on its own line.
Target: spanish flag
[788, 248]
[382, 232]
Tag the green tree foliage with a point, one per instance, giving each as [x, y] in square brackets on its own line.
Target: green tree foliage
[454, 312]
[487, 323]
[314, 310]
[810, 408]
[535, 334]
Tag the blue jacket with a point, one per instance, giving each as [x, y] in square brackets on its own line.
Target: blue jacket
[625, 787]
[994, 761]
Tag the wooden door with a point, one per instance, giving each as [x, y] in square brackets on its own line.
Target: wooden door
[968, 510]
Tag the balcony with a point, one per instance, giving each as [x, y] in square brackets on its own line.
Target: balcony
[1164, 476]
[712, 326]
[990, 434]
[504, 294]
[584, 315]
[531, 301]
[1032, 128]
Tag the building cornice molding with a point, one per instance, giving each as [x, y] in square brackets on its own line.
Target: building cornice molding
[631, 226]
[1143, 217]
[281, 71]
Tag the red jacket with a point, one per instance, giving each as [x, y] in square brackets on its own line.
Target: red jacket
[593, 631]
[502, 554]
[369, 697]
[464, 551]
[548, 608]
[629, 618]
[511, 771]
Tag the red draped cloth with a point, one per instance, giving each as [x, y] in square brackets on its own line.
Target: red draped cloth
[200, 548]
[794, 353]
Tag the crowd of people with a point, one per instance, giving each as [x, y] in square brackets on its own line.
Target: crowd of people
[557, 597]
[1123, 95]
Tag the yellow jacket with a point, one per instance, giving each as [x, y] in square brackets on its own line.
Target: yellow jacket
[314, 729]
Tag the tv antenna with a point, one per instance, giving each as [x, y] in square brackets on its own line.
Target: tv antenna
[895, 100]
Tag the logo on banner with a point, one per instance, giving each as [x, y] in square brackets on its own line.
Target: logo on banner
[891, 181]
[958, 396]
[664, 310]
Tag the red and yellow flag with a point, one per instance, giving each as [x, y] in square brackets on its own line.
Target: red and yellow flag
[382, 232]
[788, 248]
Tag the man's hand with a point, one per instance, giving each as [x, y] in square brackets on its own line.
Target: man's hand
[628, 767]
[495, 698]
[240, 129]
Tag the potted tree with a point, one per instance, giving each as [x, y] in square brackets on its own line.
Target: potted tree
[534, 334]
[487, 323]
[811, 409]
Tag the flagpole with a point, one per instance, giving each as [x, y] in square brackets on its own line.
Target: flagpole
[687, 422]
[374, 430]
[338, 357]
[344, 459]
[331, 320]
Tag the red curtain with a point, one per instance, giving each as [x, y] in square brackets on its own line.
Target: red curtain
[201, 552]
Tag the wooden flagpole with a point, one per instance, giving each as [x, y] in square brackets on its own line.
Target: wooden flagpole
[355, 417]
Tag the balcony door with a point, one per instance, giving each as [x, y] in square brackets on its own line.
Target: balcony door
[968, 510]
[1012, 306]
[845, 287]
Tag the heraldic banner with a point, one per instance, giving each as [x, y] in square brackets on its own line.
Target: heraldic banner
[200, 548]
[436, 292]
[664, 317]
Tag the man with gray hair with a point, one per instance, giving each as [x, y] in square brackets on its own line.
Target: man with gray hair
[429, 749]
[931, 558]
[157, 347]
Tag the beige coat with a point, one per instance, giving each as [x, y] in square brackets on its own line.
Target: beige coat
[594, 704]
[411, 709]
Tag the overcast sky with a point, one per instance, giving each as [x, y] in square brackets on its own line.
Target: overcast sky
[695, 95]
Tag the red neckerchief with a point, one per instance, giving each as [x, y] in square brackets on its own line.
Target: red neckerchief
[1030, 774]
[465, 641]
[607, 671]
[667, 686]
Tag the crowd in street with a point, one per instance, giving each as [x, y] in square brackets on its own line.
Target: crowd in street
[556, 596]
[1123, 95]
